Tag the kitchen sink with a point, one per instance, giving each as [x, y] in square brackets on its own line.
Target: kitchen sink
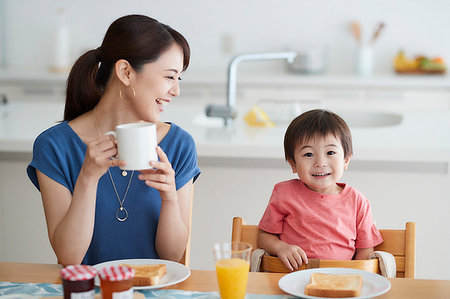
[370, 119]
[353, 118]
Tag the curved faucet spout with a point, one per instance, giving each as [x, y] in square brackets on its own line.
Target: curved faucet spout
[230, 110]
[232, 69]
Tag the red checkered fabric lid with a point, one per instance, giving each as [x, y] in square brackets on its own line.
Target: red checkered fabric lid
[116, 273]
[78, 272]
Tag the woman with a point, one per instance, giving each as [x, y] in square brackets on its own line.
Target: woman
[94, 211]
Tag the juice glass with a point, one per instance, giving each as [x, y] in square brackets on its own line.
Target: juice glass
[232, 266]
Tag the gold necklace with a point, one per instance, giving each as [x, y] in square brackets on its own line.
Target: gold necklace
[121, 210]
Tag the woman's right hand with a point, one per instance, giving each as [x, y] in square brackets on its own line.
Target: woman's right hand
[292, 256]
[100, 155]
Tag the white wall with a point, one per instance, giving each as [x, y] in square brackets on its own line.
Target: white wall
[253, 25]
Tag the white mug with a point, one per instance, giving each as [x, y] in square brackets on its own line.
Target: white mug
[136, 144]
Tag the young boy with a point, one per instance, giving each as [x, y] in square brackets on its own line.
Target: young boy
[315, 216]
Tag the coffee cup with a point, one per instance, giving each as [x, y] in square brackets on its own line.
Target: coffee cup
[136, 144]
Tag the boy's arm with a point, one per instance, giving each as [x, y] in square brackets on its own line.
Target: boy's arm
[292, 256]
[363, 253]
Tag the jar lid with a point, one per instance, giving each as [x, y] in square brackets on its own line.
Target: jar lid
[116, 273]
[78, 272]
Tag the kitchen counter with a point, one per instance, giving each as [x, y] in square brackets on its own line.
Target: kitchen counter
[422, 136]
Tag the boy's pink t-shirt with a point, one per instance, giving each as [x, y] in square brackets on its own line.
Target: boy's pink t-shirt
[325, 226]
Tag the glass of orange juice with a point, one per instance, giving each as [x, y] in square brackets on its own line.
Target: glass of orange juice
[232, 266]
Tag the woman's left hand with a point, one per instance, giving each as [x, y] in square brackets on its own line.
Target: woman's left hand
[162, 177]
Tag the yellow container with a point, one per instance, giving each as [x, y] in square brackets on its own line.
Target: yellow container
[256, 117]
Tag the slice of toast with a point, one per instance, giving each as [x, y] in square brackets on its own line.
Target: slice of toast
[334, 285]
[147, 275]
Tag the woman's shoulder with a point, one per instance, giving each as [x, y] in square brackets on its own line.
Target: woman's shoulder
[58, 136]
[177, 134]
[54, 132]
[177, 130]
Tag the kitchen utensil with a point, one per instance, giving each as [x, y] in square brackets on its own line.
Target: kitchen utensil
[356, 31]
[377, 33]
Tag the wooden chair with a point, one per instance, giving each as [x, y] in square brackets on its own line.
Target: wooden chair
[400, 243]
[187, 253]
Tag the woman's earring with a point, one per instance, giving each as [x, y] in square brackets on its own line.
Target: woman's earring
[121, 97]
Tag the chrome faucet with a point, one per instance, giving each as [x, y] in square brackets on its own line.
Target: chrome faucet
[228, 112]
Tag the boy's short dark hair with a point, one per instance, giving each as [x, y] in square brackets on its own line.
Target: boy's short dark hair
[317, 122]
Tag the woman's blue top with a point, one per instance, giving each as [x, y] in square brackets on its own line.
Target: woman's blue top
[59, 153]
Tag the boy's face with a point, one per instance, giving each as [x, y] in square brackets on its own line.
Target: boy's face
[319, 163]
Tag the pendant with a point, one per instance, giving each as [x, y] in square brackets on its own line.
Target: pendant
[124, 173]
[123, 212]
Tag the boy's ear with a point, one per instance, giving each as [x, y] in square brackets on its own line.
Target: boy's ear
[124, 71]
[347, 161]
[292, 164]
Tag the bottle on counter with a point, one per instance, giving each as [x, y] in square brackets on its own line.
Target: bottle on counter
[116, 281]
[61, 57]
[78, 281]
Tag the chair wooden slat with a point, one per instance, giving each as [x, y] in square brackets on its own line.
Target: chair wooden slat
[250, 235]
[410, 250]
[400, 261]
[273, 264]
[394, 240]
[367, 265]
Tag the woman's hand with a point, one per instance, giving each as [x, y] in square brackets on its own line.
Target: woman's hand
[100, 155]
[162, 177]
[292, 256]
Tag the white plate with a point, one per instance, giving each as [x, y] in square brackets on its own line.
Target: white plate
[373, 284]
[176, 272]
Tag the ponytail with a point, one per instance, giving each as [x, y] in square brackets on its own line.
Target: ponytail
[83, 93]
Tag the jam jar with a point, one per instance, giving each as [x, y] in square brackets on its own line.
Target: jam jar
[78, 281]
[116, 282]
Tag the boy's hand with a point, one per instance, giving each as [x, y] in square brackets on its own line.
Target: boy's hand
[292, 256]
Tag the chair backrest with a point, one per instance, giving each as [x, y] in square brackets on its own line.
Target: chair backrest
[187, 253]
[400, 243]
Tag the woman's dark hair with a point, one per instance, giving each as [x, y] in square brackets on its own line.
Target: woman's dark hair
[318, 122]
[136, 38]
